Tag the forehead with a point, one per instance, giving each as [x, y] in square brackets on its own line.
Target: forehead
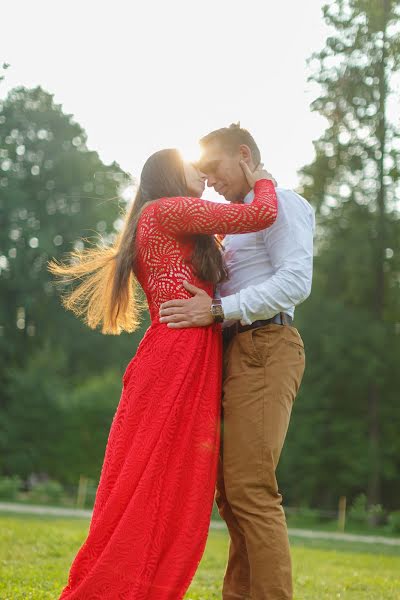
[213, 153]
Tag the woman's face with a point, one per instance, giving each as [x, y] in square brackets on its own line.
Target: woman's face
[195, 179]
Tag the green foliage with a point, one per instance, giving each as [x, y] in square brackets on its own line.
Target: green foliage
[46, 492]
[362, 513]
[306, 518]
[56, 428]
[54, 191]
[55, 195]
[9, 487]
[32, 419]
[88, 414]
[3, 68]
[359, 510]
[394, 522]
[343, 438]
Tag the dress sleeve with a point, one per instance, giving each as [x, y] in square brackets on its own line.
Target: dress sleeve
[193, 215]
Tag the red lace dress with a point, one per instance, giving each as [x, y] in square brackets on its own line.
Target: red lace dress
[153, 504]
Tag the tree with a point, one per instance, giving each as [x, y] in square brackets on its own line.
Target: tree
[54, 191]
[354, 184]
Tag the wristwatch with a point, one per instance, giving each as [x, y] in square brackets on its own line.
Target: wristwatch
[217, 310]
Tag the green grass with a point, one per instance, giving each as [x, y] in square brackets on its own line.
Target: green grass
[35, 555]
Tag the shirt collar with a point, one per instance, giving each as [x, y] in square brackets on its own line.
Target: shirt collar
[249, 197]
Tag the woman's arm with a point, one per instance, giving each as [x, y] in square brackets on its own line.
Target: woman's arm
[193, 215]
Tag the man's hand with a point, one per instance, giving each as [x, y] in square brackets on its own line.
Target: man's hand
[193, 312]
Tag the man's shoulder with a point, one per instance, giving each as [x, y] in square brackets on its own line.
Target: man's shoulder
[291, 205]
[294, 212]
[293, 198]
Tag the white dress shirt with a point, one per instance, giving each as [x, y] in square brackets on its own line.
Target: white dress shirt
[270, 271]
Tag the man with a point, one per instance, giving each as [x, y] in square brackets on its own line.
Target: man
[270, 272]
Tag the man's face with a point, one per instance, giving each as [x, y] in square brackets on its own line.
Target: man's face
[224, 172]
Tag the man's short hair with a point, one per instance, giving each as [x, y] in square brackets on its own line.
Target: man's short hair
[230, 138]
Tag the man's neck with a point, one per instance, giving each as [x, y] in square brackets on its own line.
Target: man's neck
[244, 195]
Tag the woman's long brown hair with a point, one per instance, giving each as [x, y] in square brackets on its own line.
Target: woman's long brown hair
[106, 294]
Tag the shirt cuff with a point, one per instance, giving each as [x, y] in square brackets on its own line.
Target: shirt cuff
[231, 307]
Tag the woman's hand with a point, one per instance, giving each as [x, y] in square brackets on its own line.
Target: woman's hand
[254, 176]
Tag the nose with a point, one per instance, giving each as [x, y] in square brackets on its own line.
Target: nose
[211, 181]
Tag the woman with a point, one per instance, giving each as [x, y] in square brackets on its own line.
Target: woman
[153, 504]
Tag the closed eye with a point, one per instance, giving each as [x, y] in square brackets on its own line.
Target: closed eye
[210, 167]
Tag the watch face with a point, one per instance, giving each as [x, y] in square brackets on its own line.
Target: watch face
[217, 312]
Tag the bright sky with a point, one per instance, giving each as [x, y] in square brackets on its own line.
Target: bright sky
[140, 76]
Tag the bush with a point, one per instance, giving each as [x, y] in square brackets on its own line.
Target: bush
[304, 516]
[358, 511]
[375, 514]
[9, 487]
[363, 514]
[394, 522]
[47, 492]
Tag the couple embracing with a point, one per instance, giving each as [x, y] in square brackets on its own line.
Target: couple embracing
[206, 401]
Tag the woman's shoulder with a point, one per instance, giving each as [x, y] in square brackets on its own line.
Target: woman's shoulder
[152, 205]
[146, 206]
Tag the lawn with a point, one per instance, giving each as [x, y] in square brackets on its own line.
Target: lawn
[35, 554]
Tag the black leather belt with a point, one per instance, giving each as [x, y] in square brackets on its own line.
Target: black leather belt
[279, 319]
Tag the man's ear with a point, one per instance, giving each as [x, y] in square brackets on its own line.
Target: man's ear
[246, 156]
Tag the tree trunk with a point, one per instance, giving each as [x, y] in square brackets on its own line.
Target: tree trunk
[375, 394]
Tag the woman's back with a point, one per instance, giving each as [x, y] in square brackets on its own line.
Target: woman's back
[163, 261]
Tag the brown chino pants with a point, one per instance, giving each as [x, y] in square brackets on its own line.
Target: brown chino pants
[263, 369]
